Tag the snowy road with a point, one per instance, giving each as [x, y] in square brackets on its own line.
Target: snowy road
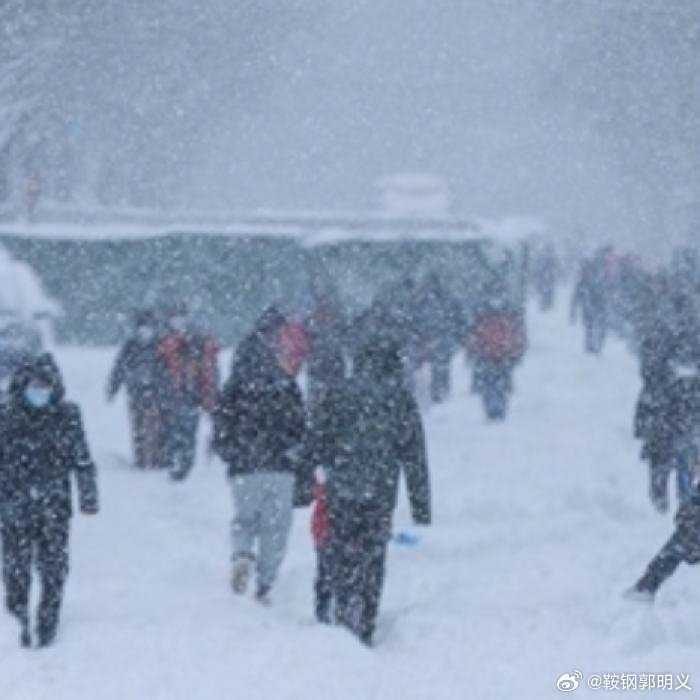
[540, 523]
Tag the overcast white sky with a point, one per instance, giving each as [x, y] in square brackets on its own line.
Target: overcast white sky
[580, 111]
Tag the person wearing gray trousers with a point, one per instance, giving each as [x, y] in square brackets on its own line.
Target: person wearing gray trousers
[263, 513]
[259, 426]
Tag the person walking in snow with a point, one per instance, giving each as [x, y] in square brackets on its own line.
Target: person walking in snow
[439, 324]
[591, 295]
[191, 372]
[139, 368]
[667, 418]
[258, 429]
[42, 445]
[495, 344]
[363, 435]
[544, 270]
[682, 546]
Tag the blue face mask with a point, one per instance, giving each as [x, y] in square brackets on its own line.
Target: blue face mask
[37, 396]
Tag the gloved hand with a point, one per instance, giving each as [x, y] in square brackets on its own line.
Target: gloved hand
[406, 539]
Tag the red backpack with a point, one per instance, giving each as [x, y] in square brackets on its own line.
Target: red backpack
[498, 337]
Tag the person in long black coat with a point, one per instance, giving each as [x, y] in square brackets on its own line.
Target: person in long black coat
[363, 435]
[42, 444]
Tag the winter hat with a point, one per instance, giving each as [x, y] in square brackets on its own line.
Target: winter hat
[292, 340]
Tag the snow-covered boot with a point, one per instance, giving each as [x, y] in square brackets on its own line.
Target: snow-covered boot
[240, 573]
[262, 595]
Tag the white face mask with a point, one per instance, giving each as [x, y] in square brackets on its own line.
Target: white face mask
[37, 395]
[145, 334]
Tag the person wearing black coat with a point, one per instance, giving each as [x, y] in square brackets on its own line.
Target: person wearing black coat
[667, 418]
[363, 435]
[259, 424]
[42, 444]
[591, 295]
[139, 369]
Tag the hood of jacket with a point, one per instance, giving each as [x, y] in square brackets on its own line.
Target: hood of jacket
[42, 368]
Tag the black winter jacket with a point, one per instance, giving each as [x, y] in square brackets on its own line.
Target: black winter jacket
[366, 432]
[665, 414]
[40, 449]
[138, 366]
[260, 420]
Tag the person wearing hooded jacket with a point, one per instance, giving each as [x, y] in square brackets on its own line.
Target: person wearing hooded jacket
[496, 342]
[42, 445]
[258, 427]
[138, 367]
[363, 435]
[190, 366]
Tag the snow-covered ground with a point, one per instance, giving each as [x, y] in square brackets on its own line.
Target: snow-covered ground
[540, 523]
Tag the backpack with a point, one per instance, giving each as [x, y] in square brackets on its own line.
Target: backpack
[499, 337]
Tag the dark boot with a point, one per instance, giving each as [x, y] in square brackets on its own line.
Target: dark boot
[25, 637]
[323, 585]
[366, 638]
[323, 608]
[47, 622]
[45, 635]
[660, 568]
[262, 595]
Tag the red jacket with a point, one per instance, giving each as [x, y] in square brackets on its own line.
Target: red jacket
[498, 336]
[320, 524]
[191, 364]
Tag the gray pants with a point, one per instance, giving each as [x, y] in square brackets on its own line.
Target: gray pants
[263, 513]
